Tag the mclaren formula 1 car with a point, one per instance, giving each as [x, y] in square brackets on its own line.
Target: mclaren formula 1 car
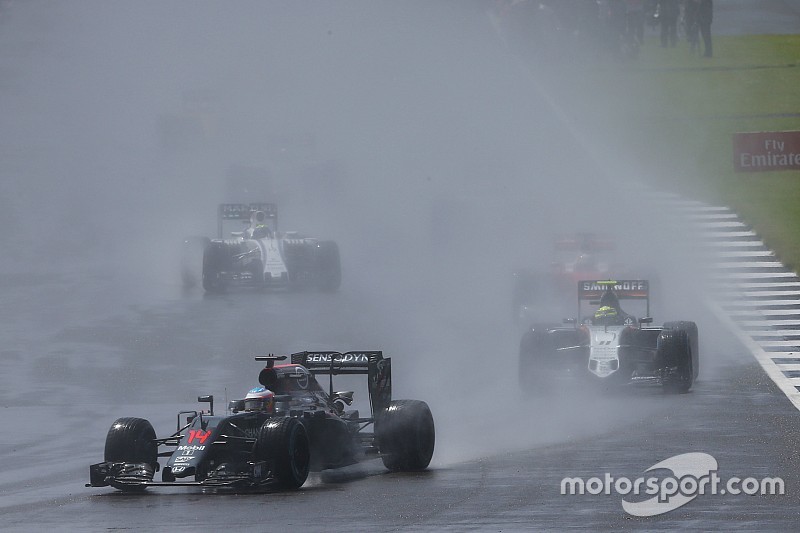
[258, 255]
[279, 432]
[609, 345]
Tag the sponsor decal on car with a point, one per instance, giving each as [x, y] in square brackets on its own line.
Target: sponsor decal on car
[192, 447]
[199, 435]
[358, 358]
[635, 288]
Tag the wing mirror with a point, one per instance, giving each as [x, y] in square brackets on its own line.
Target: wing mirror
[340, 399]
[236, 405]
[209, 399]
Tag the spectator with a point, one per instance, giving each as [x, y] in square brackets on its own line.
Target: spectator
[705, 13]
[668, 11]
[635, 15]
[690, 17]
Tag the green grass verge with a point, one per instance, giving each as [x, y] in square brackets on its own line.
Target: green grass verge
[677, 112]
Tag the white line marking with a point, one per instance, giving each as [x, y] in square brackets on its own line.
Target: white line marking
[786, 385]
[732, 244]
[717, 225]
[763, 323]
[778, 344]
[746, 253]
[760, 303]
[750, 264]
[756, 294]
[735, 291]
[776, 333]
[755, 275]
[769, 285]
[764, 312]
[726, 234]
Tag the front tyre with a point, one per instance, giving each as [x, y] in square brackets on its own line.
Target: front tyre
[131, 440]
[406, 435]
[283, 443]
[329, 273]
[215, 257]
[191, 258]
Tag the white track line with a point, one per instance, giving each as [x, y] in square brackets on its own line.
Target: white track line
[735, 301]
[773, 370]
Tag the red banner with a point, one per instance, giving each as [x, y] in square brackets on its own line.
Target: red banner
[766, 150]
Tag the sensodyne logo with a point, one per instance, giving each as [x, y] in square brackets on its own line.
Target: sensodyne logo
[692, 474]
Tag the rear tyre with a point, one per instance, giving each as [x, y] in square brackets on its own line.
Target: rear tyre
[675, 355]
[283, 443]
[329, 275]
[214, 261]
[406, 436]
[694, 341]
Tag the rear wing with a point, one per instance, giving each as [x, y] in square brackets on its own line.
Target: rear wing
[372, 363]
[628, 289]
[243, 212]
[583, 242]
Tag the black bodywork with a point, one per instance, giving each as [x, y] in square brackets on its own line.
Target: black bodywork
[627, 351]
[301, 428]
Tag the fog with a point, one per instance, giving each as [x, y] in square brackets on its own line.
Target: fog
[415, 134]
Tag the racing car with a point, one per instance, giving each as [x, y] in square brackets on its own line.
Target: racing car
[260, 256]
[279, 432]
[610, 346]
[575, 257]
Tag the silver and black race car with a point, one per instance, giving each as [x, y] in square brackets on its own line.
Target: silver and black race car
[259, 255]
[279, 432]
[610, 346]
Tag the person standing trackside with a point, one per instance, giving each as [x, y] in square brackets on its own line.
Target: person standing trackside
[705, 13]
[690, 18]
[668, 11]
[635, 20]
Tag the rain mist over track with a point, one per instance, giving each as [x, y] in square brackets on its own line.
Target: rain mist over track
[455, 171]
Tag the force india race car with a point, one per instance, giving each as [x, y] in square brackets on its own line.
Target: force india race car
[259, 255]
[610, 346]
[277, 433]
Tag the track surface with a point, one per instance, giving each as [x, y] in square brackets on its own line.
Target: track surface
[95, 337]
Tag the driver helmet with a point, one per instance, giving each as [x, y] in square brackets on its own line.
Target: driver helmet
[261, 231]
[605, 313]
[259, 399]
[609, 299]
[585, 263]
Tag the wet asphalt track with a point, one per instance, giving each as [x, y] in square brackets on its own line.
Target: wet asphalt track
[499, 461]
[89, 341]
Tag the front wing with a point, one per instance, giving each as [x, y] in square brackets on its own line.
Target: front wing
[132, 476]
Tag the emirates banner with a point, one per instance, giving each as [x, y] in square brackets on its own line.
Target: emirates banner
[766, 150]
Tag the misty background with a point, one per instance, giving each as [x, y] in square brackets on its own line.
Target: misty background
[412, 133]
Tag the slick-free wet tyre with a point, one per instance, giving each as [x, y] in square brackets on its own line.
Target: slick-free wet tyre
[283, 443]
